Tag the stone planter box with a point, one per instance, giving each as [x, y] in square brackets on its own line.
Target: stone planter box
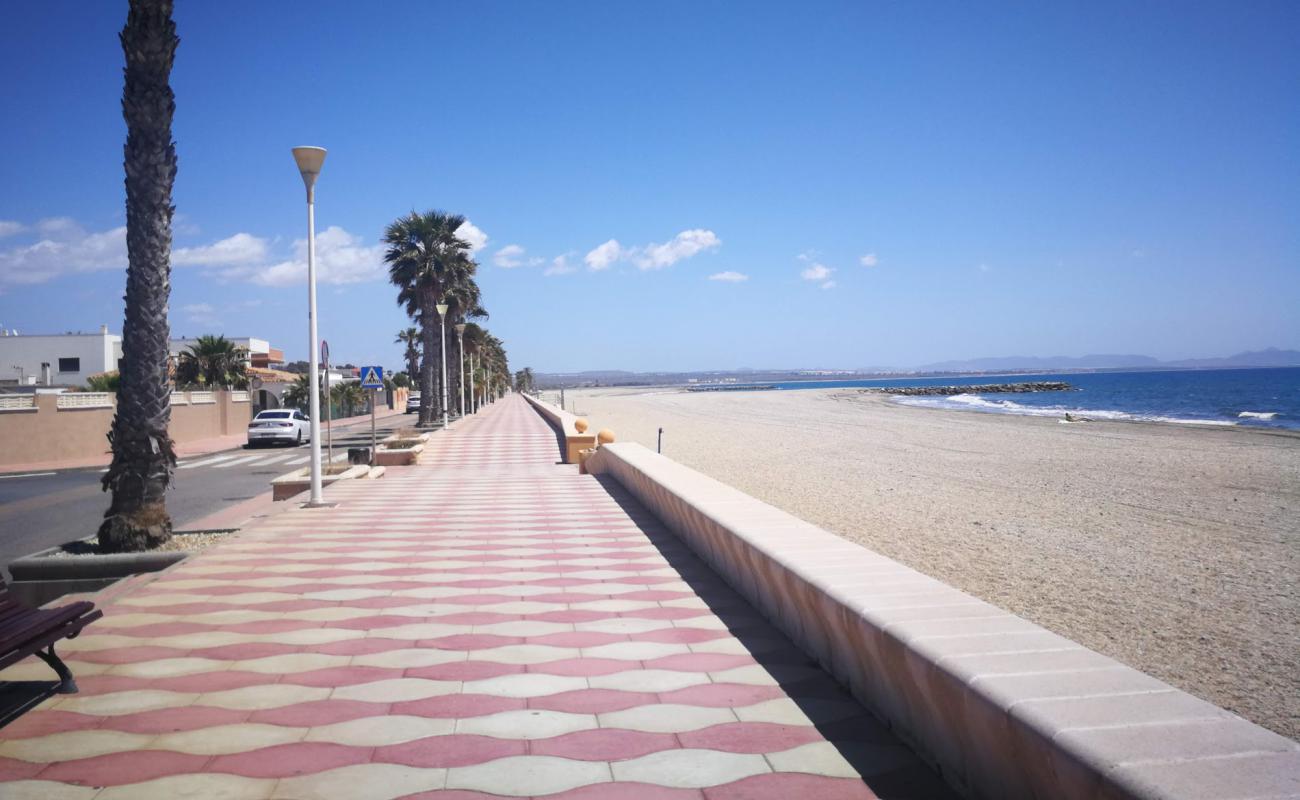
[389, 456]
[41, 577]
[294, 483]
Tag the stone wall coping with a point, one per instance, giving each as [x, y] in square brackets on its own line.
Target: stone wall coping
[560, 419]
[1003, 707]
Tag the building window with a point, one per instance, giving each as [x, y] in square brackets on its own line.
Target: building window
[69, 365]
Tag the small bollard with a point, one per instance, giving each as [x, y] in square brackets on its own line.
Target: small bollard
[359, 455]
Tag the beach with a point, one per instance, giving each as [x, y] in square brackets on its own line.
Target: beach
[1172, 548]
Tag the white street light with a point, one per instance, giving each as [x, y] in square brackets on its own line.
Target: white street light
[442, 320]
[310, 160]
[460, 337]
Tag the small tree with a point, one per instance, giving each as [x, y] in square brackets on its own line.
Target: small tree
[213, 361]
[104, 382]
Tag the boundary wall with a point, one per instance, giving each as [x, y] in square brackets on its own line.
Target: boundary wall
[1002, 707]
[75, 425]
[564, 424]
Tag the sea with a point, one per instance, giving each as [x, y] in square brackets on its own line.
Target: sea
[1249, 398]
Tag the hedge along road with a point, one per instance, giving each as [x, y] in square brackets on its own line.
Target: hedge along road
[44, 509]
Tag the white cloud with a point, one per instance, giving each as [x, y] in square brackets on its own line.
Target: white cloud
[202, 313]
[683, 245]
[509, 257]
[560, 265]
[816, 272]
[654, 256]
[984, 267]
[9, 228]
[729, 277]
[341, 258]
[829, 285]
[59, 227]
[604, 255]
[869, 260]
[242, 248]
[809, 255]
[65, 249]
[469, 232]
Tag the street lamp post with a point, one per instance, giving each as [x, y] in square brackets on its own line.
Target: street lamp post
[460, 339]
[309, 160]
[442, 322]
[473, 398]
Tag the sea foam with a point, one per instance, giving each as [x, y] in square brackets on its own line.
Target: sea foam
[975, 402]
[1258, 415]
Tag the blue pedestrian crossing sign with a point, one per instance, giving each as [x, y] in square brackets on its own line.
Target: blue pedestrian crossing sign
[372, 377]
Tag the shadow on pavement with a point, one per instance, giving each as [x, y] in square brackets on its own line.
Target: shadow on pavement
[888, 768]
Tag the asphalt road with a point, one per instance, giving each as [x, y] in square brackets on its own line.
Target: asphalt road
[44, 509]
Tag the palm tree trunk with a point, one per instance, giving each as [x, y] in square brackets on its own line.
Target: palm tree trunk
[143, 454]
[428, 326]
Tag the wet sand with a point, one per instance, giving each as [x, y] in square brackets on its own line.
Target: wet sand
[1173, 548]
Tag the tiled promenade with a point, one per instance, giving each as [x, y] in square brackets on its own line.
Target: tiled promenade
[486, 624]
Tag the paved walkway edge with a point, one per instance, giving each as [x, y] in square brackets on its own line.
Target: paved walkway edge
[1003, 707]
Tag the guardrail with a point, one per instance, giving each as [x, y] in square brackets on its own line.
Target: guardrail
[17, 402]
[1005, 708]
[71, 400]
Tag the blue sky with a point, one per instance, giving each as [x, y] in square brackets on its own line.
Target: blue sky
[883, 183]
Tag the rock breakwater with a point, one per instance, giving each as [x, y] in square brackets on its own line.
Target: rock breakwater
[985, 388]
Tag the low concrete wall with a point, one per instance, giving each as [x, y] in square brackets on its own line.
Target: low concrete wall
[54, 429]
[563, 423]
[1004, 708]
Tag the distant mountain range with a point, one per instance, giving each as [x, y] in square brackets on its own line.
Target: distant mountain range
[1272, 357]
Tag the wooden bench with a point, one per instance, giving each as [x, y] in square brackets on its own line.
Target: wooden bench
[28, 631]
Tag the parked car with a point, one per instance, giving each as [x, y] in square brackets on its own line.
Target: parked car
[413, 402]
[283, 425]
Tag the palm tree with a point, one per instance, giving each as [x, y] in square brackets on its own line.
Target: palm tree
[143, 452]
[297, 394]
[423, 254]
[464, 302]
[213, 361]
[411, 338]
[348, 397]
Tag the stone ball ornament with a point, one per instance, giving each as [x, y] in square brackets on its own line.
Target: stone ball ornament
[606, 436]
[580, 424]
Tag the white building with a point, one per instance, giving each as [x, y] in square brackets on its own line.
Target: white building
[66, 359]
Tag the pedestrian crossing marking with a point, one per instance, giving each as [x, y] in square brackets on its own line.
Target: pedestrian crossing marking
[207, 462]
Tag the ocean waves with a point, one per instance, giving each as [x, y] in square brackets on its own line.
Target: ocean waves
[975, 402]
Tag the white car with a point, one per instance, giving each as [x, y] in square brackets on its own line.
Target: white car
[283, 425]
[412, 402]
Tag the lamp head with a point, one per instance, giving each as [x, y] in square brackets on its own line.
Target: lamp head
[442, 309]
[460, 329]
[309, 160]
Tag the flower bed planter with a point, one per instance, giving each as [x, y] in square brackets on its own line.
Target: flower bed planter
[395, 452]
[296, 482]
[75, 567]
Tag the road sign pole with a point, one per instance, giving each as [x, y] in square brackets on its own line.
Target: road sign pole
[374, 444]
[329, 419]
